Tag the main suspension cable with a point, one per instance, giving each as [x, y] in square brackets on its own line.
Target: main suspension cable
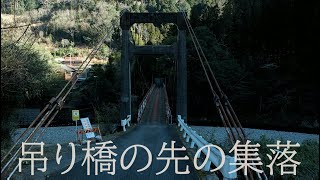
[215, 96]
[222, 95]
[229, 110]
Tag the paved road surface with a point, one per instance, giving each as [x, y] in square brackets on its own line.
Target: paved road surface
[152, 132]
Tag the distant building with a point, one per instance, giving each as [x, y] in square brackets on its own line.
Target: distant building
[69, 65]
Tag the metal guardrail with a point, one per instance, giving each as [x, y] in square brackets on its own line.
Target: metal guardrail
[143, 103]
[126, 122]
[168, 110]
[215, 156]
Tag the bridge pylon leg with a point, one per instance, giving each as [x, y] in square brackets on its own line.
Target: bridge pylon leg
[125, 104]
[182, 75]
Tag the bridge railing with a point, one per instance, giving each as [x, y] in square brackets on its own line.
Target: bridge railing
[168, 110]
[215, 156]
[143, 103]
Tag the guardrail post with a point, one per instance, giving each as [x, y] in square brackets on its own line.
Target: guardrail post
[226, 168]
[199, 154]
[123, 124]
[188, 138]
[207, 166]
[184, 134]
[128, 120]
[192, 144]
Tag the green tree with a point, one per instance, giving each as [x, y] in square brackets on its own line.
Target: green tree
[25, 72]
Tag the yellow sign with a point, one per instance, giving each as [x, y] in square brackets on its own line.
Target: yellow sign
[75, 115]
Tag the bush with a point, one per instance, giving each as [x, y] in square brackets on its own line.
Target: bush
[106, 116]
[307, 154]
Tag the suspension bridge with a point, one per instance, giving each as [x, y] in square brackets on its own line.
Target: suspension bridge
[155, 122]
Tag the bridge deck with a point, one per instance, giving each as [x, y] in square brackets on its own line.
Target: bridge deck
[155, 109]
[152, 132]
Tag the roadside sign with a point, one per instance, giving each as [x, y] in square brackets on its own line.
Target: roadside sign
[87, 127]
[75, 115]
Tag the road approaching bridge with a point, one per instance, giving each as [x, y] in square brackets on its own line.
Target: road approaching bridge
[152, 132]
